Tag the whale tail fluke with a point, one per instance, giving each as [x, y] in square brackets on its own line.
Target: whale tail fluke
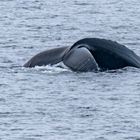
[48, 57]
[80, 59]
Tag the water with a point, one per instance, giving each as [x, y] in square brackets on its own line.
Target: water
[51, 103]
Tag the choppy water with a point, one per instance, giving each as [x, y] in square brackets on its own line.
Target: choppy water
[50, 103]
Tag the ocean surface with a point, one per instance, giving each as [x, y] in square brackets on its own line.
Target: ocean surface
[52, 103]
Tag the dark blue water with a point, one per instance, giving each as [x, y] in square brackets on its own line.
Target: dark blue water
[51, 103]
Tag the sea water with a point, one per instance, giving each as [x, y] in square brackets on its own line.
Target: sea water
[53, 103]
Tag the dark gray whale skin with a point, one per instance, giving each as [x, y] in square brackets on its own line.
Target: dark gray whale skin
[88, 54]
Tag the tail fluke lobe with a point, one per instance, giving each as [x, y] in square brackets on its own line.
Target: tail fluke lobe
[48, 57]
[80, 59]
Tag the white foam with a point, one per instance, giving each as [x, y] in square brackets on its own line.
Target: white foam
[57, 68]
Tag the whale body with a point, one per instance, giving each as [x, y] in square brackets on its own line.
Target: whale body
[88, 54]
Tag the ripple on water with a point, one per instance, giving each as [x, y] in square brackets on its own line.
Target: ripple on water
[52, 102]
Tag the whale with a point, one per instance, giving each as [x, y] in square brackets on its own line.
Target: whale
[88, 54]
